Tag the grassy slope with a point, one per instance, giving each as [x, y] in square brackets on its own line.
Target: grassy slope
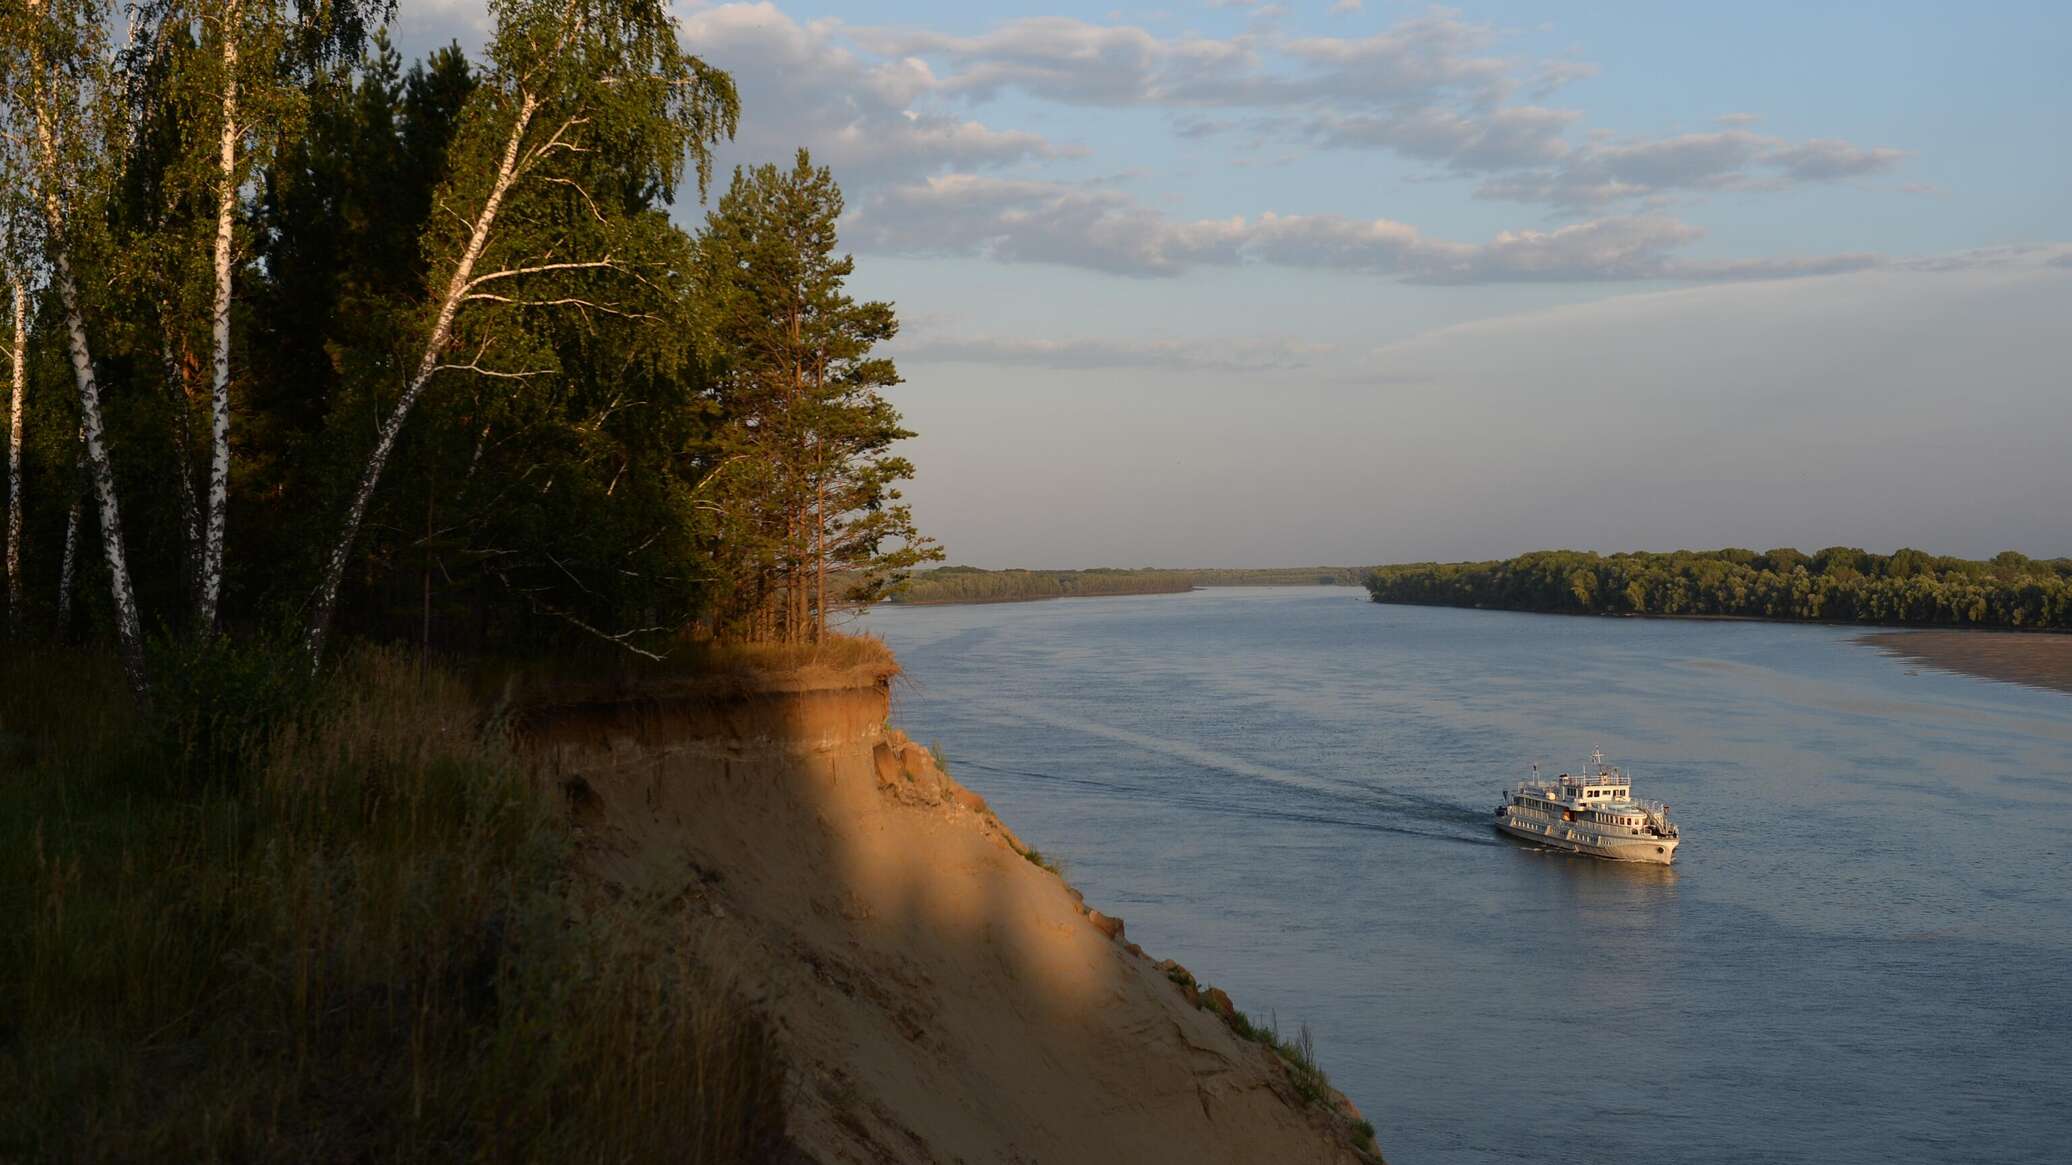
[290, 940]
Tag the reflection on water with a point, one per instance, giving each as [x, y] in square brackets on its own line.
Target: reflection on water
[1861, 955]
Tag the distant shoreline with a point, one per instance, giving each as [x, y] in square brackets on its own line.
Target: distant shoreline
[964, 584]
[1038, 598]
[2037, 659]
[1854, 624]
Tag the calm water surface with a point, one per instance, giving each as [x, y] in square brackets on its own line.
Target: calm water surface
[1863, 953]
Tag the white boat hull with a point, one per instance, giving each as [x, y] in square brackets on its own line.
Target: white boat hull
[1577, 838]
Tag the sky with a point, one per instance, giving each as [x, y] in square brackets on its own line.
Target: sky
[1237, 283]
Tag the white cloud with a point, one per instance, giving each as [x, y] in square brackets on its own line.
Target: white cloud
[1431, 87]
[801, 85]
[424, 25]
[891, 110]
[1072, 61]
[1345, 7]
[1100, 228]
[1509, 137]
[1599, 173]
[1019, 220]
[1828, 158]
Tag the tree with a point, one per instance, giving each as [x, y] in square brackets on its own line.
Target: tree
[581, 100]
[245, 63]
[59, 76]
[805, 418]
[17, 401]
[15, 265]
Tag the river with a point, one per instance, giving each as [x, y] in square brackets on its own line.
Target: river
[1862, 954]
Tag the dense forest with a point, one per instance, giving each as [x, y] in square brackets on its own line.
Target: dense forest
[1839, 584]
[304, 338]
[969, 584]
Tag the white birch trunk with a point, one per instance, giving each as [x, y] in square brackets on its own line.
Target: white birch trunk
[101, 473]
[211, 569]
[70, 563]
[19, 389]
[129, 628]
[326, 600]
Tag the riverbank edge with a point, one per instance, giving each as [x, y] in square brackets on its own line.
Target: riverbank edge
[909, 777]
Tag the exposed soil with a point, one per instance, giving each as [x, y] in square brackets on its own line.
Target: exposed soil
[938, 995]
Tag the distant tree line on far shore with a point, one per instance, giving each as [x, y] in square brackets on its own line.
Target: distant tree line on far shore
[1840, 584]
[970, 584]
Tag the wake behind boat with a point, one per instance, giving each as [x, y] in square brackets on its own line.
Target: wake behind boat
[1593, 814]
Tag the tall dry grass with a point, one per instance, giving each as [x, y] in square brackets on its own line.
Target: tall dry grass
[702, 668]
[352, 935]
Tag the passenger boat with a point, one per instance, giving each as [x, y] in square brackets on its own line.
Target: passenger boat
[1594, 814]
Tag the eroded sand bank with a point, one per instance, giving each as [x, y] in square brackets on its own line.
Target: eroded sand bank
[939, 996]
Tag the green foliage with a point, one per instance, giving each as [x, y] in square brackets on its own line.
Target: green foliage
[603, 454]
[1839, 584]
[1299, 1053]
[365, 946]
[219, 699]
[1036, 858]
[805, 490]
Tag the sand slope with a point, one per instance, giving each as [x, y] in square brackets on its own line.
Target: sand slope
[941, 997]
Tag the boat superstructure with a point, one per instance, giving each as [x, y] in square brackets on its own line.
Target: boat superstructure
[1594, 813]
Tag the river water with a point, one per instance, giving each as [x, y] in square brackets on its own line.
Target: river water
[1863, 953]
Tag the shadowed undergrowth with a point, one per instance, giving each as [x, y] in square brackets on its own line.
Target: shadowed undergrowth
[339, 926]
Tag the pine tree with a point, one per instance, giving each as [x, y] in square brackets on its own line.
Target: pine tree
[808, 500]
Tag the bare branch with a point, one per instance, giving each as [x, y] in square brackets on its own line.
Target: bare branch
[578, 188]
[515, 272]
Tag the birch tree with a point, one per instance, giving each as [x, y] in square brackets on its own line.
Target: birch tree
[251, 54]
[582, 105]
[58, 73]
[17, 400]
[16, 217]
[230, 35]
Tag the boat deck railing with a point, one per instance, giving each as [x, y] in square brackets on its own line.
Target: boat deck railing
[1546, 791]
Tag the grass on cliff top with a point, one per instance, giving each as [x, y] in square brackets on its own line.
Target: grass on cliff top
[281, 921]
[705, 668]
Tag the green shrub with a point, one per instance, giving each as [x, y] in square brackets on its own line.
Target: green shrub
[216, 700]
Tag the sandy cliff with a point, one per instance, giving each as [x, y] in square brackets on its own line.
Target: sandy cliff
[939, 996]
